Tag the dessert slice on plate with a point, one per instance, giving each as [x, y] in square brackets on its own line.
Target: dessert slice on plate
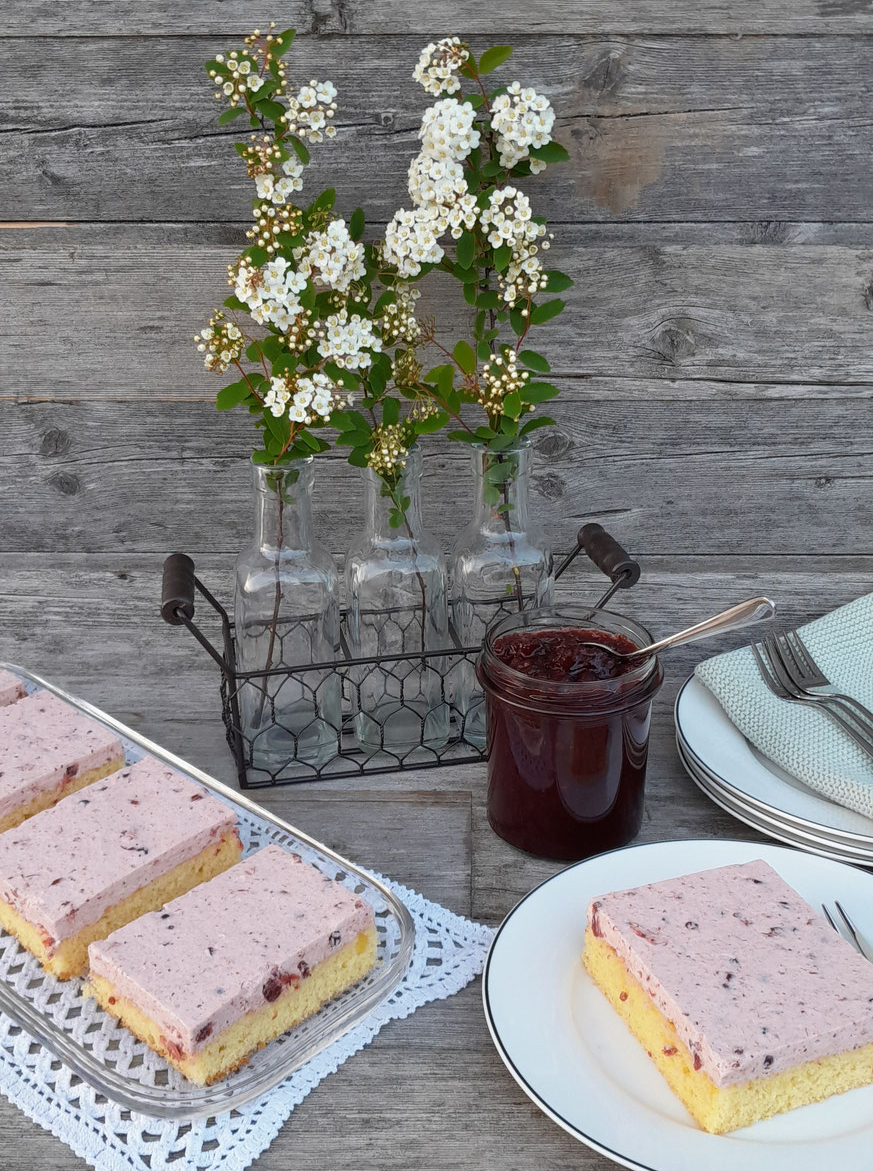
[11, 689]
[745, 999]
[47, 750]
[98, 859]
[239, 960]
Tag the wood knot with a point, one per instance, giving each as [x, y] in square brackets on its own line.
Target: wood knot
[329, 16]
[770, 232]
[550, 485]
[673, 342]
[553, 443]
[606, 75]
[65, 483]
[868, 296]
[55, 442]
[388, 120]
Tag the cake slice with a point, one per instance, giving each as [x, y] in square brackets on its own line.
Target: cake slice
[47, 750]
[11, 688]
[235, 962]
[745, 999]
[96, 860]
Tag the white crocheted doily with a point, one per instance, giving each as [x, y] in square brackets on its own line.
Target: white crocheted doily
[449, 952]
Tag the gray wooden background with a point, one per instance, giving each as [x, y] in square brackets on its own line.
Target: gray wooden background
[716, 361]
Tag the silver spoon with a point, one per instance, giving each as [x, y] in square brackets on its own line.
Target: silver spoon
[753, 610]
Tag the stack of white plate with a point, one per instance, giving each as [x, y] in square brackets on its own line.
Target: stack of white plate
[737, 777]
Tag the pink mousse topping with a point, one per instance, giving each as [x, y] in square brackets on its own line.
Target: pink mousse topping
[64, 867]
[45, 742]
[230, 945]
[11, 688]
[753, 979]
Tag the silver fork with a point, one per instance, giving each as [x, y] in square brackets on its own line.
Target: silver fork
[778, 680]
[851, 934]
[808, 674]
[779, 651]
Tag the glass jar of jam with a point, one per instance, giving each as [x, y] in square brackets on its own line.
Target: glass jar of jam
[567, 730]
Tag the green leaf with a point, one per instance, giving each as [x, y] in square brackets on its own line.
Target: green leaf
[233, 302]
[512, 404]
[483, 351]
[310, 440]
[534, 361]
[466, 249]
[538, 392]
[470, 295]
[283, 364]
[432, 423]
[279, 428]
[487, 300]
[256, 254]
[535, 424]
[464, 356]
[298, 147]
[357, 457]
[550, 152]
[475, 100]
[518, 323]
[462, 437]
[546, 311]
[261, 457]
[390, 411]
[341, 421]
[354, 438]
[231, 396]
[492, 58]
[356, 223]
[502, 256]
[240, 147]
[282, 43]
[387, 298]
[228, 115]
[269, 109]
[479, 327]
[557, 281]
[326, 199]
[491, 168]
[483, 434]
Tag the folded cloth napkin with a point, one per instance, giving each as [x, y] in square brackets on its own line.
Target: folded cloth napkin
[804, 741]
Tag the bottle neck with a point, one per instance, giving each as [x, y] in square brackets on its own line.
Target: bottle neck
[501, 480]
[282, 507]
[382, 505]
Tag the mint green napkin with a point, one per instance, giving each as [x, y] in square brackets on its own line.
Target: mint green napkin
[806, 742]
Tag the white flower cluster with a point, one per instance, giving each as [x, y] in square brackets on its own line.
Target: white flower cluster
[271, 293]
[348, 341]
[412, 239]
[438, 66]
[499, 378]
[278, 190]
[447, 130]
[438, 189]
[221, 341]
[332, 257]
[242, 77]
[522, 118]
[310, 109]
[398, 323]
[308, 397]
[507, 219]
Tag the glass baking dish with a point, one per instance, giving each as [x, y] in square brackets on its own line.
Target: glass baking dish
[104, 1054]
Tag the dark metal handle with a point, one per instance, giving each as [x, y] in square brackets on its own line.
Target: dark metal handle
[177, 590]
[609, 557]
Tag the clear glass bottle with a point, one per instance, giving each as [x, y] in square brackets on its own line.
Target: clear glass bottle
[397, 604]
[287, 614]
[500, 563]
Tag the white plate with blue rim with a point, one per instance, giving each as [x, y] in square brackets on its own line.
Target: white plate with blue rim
[712, 743]
[574, 1057]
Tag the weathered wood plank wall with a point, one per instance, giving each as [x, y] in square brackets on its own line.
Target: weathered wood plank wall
[717, 217]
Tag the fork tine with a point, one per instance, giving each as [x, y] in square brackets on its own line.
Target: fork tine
[777, 665]
[830, 918]
[850, 926]
[766, 674]
[792, 663]
[803, 656]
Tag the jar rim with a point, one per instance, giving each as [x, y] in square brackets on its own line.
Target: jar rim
[599, 694]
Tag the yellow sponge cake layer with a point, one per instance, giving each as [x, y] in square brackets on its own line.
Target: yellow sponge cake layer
[69, 957]
[717, 1110]
[50, 797]
[233, 1047]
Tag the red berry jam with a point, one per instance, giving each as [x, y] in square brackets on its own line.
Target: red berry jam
[567, 731]
[566, 656]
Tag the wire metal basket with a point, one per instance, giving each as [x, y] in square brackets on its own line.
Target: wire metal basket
[245, 689]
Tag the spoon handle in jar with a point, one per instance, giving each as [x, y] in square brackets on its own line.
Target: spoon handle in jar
[753, 610]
